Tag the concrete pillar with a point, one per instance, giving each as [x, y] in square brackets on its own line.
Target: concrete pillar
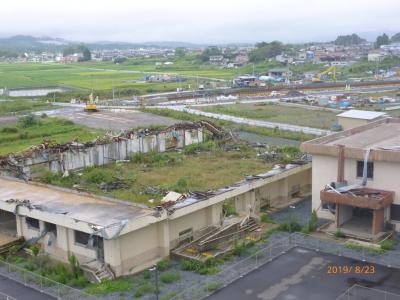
[19, 220]
[284, 189]
[164, 238]
[112, 255]
[340, 171]
[377, 221]
[214, 214]
[63, 240]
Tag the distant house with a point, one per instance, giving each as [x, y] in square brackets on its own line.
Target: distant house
[354, 118]
[73, 58]
[241, 59]
[279, 72]
[376, 55]
[216, 59]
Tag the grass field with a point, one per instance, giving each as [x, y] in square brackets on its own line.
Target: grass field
[191, 170]
[31, 131]
[298, 136]
[8, 106]
[277, 113]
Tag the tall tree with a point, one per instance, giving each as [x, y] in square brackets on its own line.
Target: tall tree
[348, 40]
[266, 50]
[395, 38]
[382, 40]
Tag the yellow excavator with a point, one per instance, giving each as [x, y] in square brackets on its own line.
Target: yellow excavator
[91, 104]
[331, 70]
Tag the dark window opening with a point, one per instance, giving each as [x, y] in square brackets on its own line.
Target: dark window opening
[84, 238]
[32, 223]
[370, 169]
[50, 227]
[395, 212]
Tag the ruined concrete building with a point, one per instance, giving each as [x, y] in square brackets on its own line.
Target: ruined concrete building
[75, 155]
[117, 238]
[355, 178]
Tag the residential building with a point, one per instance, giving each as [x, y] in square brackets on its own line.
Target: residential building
[355, 178]
[354, 118]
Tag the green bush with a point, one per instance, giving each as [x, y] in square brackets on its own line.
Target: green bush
[265, 218]
[170, 277]
[111, 286]
[191, 265]
[200, 147]
[180, 186]
[163, 265]
[213, 286]
[28, 121]
[152, 158]
[290, 226]
[143, 289]
[370, 250]
[312, 224]
[9, 130]
[238, 248]
[387, 244]
[98, 175]
[169, 295]
[339, 233]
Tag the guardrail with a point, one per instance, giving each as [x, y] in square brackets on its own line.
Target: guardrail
[42, 284]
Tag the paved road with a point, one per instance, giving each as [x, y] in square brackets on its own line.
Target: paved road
[303, 274]
[259, 123]
[19, 291]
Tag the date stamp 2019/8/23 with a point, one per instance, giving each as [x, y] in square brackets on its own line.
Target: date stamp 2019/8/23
[351, 269]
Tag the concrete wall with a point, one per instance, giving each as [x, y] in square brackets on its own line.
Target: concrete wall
[43, 161]
[345, 214]
[348, 123]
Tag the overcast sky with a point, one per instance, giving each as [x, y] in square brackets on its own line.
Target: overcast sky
[204, 21]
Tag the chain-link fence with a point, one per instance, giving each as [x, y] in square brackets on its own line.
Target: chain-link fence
[206, 287]
[42, 284]
[239, 269]
[359, 292]
[6, 297]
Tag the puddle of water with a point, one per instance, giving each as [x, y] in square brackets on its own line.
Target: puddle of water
[258, 138]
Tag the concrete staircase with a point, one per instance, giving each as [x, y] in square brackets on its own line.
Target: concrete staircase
[97, 271]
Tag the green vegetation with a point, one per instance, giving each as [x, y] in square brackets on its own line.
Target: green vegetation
[209, 267]
[369, 250]
[387, 244]
[170, 277]
[169, 295]
[150, 175]
[312, 224]
[278, 113]
[163, 265]
[8, 107]
[265, 218]
[234, 127]
[118, 285]
[213, 286]
[349, 40]
[339, 233]
[78, 49]
[290, 225]
[31, 131]
[265, 50]
[142, 289]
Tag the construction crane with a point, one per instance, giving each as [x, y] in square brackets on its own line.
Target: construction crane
[318, 78]
[91, 104]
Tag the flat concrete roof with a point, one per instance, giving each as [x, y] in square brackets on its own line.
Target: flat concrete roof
[361, 114]
[77, 206]
[382, 137]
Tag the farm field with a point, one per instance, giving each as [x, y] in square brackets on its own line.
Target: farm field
[277, 113]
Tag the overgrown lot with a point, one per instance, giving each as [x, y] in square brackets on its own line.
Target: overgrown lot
[277, 113]
[31, 131]
[147, 177]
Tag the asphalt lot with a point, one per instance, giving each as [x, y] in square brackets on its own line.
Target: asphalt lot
[19, 291]
[303, 274]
